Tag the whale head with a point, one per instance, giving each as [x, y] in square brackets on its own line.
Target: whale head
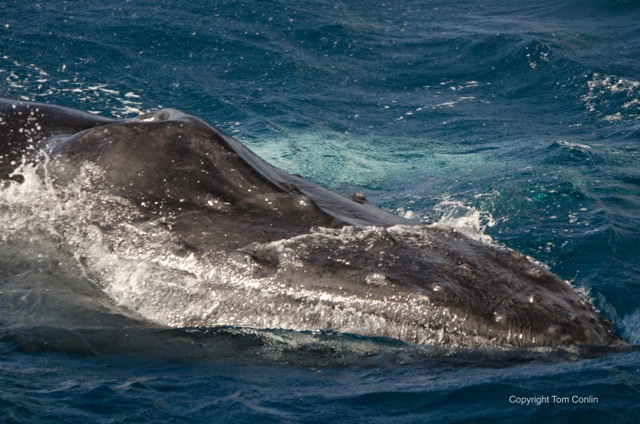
[183, 225]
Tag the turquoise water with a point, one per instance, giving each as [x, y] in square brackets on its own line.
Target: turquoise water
[518, 122]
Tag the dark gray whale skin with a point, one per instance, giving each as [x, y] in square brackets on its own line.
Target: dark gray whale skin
[416, 282]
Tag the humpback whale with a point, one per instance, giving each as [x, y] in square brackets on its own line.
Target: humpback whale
[183, 225]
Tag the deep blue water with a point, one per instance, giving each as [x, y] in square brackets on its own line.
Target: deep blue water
[520, 119]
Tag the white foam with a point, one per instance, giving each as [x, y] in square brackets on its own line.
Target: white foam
[574, 145]
[606, 91]
[468, 220]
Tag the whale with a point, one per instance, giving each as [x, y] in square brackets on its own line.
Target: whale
[184, 226]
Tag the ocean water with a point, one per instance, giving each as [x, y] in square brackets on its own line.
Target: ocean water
[516, 122]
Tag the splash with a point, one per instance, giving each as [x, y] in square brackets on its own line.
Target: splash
[466, 219]
[34, 83]
[137, 262]
[44, 282]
